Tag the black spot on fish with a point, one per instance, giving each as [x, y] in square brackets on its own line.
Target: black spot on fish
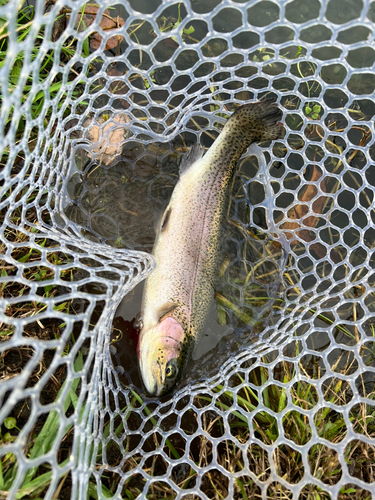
[165, 220]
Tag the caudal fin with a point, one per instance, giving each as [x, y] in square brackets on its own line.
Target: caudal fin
[258, 119]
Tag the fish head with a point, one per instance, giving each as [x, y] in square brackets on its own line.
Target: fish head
[161, 356]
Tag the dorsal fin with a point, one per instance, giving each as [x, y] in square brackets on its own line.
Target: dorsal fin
[194, 154]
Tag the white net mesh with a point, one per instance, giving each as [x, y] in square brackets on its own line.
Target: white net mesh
[98, 104]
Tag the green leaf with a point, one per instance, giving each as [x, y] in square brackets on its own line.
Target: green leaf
[317, 108]
[129, 494]
[3, 333]
[73, 397]
[4, 284]
[86, 47]
[62, 306]
[16, 71]
[37, 484]
[53, 88]
[93, 491]
[26, 257]
[2, 482]
[10, 423]
[8, 438]
[283, 400]
[189, 30]
[11, 473]
[221, 316]
[45, 239]
[308, 110]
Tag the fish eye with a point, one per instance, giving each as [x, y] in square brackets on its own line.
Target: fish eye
[171, 369]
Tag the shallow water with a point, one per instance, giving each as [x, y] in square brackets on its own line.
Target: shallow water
[121, 204]
[120, 200]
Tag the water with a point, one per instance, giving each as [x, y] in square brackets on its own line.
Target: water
[121, 203]
[119, 198]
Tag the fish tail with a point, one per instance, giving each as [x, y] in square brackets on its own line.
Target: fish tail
[258, 119]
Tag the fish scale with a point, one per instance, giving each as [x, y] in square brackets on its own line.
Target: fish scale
[187, 247]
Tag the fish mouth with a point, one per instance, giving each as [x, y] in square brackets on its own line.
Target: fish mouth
[152, 386]
[147, 375]
[151, 371]
[152, 391]
[154, 379]
[158, 346]
[157, 389]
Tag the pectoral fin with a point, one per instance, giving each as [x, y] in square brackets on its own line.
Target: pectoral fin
[165, 309]
[166, 217]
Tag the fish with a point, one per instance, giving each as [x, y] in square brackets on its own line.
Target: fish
[179, 292]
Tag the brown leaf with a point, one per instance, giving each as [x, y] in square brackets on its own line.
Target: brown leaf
[297, 212]
[108, 136]
[59, 25]
[111, 43]
[171, 43]
[114, 72]
[107, 23]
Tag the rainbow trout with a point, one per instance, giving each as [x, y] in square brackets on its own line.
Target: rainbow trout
[179, 292]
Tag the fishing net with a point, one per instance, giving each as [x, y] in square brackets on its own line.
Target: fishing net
[99, 101]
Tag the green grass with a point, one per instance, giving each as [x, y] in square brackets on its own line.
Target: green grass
[36, 481]
[56, 88]
[42, 438]
[322, 459]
